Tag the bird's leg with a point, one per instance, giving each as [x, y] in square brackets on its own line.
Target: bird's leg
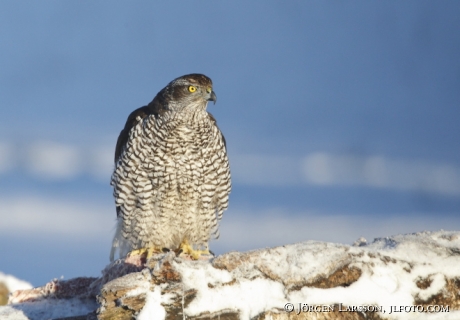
[148, 252]
[186, 248]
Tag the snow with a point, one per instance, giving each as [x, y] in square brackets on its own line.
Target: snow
[153, 310]
[47, 309]
[250, 297]
[13, 283]
[10, 313]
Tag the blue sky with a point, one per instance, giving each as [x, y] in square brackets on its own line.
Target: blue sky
[341, 118]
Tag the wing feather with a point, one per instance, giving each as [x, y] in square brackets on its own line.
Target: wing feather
[156, 108]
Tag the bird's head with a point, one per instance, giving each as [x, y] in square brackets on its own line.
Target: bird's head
[188, 92]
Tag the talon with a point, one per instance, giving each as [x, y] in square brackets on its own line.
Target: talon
[148, 252]
[186, 248]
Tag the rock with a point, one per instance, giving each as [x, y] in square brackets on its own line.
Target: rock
[74, 299]
[320, 280]
[296, 273]
[56, 289]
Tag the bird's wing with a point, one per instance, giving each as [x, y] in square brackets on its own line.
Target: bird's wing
[156, 107]
[211, 117]
[124, 134]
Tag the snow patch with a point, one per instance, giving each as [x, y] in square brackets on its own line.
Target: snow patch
[48, 309]
[10, 313]
[153, 309]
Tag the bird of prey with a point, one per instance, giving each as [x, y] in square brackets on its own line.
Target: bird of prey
[172, 177]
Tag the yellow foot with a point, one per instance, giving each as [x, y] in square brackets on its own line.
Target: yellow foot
[195, 254]
[147, 252]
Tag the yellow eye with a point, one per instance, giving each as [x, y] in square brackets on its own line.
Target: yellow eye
[208, 89]
[192, 88]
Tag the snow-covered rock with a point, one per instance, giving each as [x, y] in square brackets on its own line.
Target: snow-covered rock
[55, 300]
[415, 276]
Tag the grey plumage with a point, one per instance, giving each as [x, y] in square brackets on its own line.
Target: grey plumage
[172, 178]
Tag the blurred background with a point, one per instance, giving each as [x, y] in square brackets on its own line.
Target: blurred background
[341, 118]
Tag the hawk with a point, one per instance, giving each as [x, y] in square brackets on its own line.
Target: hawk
[172, 177]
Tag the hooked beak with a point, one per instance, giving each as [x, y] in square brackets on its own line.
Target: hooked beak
[212, 97]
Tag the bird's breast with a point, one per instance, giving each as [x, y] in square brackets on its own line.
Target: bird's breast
[182, 156]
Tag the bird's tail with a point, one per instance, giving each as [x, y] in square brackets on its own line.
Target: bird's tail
[116, 242]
